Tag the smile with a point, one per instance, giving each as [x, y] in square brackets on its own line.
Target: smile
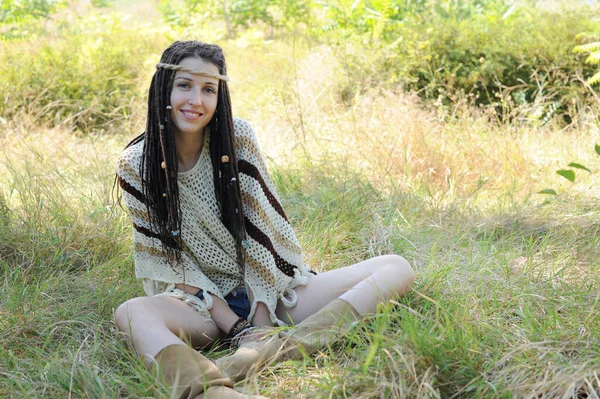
[191, 114]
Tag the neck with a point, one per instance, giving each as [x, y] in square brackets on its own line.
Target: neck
[188, 149]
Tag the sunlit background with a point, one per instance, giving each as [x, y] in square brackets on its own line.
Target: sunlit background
[460, 134]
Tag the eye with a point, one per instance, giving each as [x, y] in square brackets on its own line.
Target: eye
[210, 90]
[183, 85]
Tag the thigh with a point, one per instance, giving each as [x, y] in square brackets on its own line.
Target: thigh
[325, 287]
[146, 315]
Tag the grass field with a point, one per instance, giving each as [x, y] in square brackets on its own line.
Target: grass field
[506, 299]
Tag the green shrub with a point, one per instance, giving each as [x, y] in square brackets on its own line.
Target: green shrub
[490, 52]
[485, 52]
[15, 11]
[280, 15]
[591, 46]
[499, 53]
[86, 74]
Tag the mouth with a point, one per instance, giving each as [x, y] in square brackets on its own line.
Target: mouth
[191, 114]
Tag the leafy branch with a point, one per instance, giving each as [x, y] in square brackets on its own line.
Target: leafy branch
[593, 48]
[569, 174]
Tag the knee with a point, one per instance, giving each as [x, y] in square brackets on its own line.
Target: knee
[400, 268]
[125, 312]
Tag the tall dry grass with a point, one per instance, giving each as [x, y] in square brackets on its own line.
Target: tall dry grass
[506, 298]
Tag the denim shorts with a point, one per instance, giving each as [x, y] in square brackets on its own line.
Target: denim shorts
[239, 302]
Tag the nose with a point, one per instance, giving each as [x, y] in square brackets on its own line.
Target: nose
[195, 97]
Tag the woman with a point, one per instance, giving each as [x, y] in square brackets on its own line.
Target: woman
[213, 247]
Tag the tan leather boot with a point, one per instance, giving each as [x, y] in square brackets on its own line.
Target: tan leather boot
[192, 376]
[323, 328]
[250, 356]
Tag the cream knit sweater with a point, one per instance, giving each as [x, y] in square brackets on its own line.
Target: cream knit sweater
[274, 259]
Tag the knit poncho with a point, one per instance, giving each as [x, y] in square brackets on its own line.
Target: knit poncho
[274, 258]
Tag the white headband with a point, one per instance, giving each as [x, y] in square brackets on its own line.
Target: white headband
[182, 68]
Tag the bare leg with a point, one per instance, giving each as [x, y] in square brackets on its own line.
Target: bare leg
[363, 285]
[153, 323]
[156, 326]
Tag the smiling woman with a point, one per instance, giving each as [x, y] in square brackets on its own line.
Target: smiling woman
[213, 246]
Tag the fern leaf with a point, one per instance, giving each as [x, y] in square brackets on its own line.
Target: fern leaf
[588, 36]
[594, 79]
[587, 48]
[593, 58]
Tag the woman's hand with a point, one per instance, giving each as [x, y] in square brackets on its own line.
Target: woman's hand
[220, 312]
[261, 316]
[224, 317]
[262, 322]
[256, 335]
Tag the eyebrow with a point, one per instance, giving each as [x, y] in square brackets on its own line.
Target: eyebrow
[190, 79]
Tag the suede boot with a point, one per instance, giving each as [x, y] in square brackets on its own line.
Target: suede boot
[323, 328]
[250, 356]
[192, 376]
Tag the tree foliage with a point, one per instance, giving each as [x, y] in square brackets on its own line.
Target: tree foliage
[593, 48]
[87, 76]
[19, 11]
[499, 53]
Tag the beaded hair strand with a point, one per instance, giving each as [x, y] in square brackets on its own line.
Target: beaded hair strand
[159, 184]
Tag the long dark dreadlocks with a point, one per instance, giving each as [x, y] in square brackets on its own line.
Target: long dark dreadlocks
[165, 212]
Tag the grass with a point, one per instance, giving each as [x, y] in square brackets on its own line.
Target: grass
[507, 293]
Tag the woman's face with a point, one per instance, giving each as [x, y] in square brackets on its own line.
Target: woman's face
[194, 98]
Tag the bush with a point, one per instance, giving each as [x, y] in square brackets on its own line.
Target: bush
[279, 15]
[499, 53]
[12, 11]
[86, 74]
[484, 52]
[487, 51]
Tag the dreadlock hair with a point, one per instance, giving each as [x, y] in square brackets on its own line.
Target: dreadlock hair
[164, 212]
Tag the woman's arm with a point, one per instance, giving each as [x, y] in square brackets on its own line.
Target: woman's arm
[220, 312]
[224, 317]
[261, 316]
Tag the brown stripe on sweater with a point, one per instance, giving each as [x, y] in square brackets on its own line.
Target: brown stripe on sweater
[248, 169]
[261, 270]
[254, 232]
[126, 169]
[169, 242]
[152, 251]
[149, 250]
[138, 214]
[147, 232]
[281, 240]
[128, 188]
[247, 143]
